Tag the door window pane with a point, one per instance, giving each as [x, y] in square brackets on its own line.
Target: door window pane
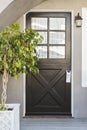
[39, 23]
[42, 51]
[57, 23]
[57, 38]
[56, 52]
[44, 35]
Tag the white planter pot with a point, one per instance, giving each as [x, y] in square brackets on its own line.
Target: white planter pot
[10, 120]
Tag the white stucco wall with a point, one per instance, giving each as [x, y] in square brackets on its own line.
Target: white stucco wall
[15, 88]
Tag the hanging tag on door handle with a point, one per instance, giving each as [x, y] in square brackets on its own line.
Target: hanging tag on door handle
[68, 76]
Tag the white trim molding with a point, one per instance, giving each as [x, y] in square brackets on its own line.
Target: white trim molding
[72, 57]
[84, 47]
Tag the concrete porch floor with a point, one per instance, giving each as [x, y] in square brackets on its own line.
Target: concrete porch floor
[53, 124]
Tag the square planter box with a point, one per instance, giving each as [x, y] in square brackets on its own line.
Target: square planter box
[10, 119]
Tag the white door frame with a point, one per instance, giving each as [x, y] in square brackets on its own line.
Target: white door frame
[72, 57]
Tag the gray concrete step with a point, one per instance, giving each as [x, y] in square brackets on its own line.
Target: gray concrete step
[53, 124]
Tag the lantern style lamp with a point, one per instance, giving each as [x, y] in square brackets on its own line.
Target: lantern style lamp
[78, 20]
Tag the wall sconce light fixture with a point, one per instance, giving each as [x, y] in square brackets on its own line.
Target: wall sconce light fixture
[78, 20]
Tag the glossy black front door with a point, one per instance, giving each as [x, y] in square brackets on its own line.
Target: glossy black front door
[47, 92]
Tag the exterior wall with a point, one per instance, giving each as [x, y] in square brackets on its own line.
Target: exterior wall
[15, 88]
[79, 94]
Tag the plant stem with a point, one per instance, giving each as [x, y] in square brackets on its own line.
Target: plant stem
[4, 87]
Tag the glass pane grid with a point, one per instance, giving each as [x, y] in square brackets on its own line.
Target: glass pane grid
[39, 23]
[54, 52]
[56, 37]
[53, 45]
[42, 51]
[57, 23]
[57, 52]
[44, 35]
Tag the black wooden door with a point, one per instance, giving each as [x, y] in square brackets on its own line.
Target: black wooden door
[47, 92]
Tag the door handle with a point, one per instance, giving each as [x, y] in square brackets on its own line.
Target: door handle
[68, 76]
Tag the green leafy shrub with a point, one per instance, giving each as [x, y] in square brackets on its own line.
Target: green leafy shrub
[17, 54]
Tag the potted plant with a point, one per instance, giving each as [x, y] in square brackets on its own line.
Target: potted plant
[17, 55]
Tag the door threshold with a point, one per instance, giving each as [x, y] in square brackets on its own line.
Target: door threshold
[48, 116]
